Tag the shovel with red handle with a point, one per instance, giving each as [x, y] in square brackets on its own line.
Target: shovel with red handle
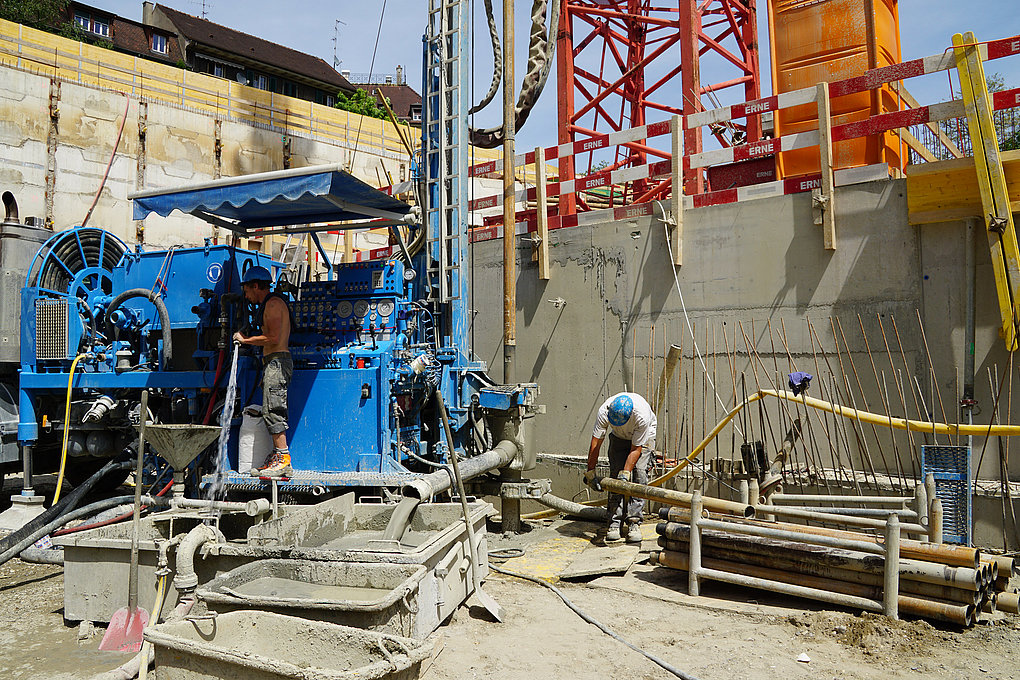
[124, 634]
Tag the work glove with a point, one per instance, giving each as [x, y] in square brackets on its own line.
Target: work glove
[624, 476]
[592, 480]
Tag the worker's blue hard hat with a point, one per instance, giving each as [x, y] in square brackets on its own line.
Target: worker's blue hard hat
[620, 410]
[257, 274]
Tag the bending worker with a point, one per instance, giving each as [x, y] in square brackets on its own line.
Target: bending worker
[273, 321]
[630, 423]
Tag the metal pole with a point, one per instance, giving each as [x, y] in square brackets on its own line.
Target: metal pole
[967, 400]
[891, 583]
[26, 461]
[509, 207]
[136, 513]
[693, 587]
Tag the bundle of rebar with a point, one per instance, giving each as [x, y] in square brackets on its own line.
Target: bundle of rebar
[953, 584]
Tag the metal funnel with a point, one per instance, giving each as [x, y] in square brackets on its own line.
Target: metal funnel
[180, 444]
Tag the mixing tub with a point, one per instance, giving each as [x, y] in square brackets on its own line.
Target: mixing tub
[257, 645]
[372, 596]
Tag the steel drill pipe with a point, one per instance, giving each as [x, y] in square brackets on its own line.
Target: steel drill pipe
[671, 497]
[954, 556]
[847, 594]
[841, 555]
[822, 498]
[1008, 602]
[1007, 565]
[820, 516]
[943, 593]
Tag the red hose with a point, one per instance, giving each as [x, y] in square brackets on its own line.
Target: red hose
[212, 395]
[113, 520]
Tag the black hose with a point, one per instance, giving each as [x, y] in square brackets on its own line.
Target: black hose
[651, 657]
[83, 511]
[66, 504]
[164, 316]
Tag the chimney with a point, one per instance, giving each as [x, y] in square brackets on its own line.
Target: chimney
[389, 80]
[346, 73]
[400, 74]
[147, 10]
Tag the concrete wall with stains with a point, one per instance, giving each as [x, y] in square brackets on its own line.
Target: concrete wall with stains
[161, 146]
[763, 298]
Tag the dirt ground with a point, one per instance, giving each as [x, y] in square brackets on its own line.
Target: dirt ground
[726, 634]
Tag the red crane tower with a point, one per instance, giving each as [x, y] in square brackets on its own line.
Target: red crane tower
[625, 63]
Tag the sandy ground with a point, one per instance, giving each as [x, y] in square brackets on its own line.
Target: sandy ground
[726, 634]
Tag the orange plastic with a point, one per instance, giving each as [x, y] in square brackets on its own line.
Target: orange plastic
[830, 40]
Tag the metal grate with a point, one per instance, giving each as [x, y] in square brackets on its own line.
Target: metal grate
[951, 467]
[51, 329]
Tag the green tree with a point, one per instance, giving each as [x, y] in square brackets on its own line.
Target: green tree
[361, 103]
[41, 14]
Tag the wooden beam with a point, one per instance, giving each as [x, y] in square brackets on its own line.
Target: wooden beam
[677, 193]
[948, 190]
[824, 199]
[543, 215]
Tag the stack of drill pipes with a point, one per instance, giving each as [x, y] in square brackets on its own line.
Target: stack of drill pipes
[847, 594]
[951, 555]
[916, 570]
[968, 586]
[671, 497]
[836, 563]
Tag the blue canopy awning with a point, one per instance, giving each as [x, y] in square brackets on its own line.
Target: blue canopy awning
[292, 198]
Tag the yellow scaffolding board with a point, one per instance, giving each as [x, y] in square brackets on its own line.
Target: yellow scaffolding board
[991, 181]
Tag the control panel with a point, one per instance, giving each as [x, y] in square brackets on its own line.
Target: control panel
[360, 305]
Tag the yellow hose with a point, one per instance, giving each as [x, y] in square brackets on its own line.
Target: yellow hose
[157, 609]
[67, 419]
[862, 416]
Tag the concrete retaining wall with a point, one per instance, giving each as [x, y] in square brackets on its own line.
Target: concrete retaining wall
[755, 275]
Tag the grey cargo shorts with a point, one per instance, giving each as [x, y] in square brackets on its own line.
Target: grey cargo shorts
[276, 374]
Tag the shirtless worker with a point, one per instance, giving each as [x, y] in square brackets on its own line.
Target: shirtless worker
[630, 423]
[273, 321]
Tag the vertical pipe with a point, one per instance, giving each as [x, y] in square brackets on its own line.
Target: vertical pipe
[509, 206]
[891, 582]
[967, 400]
[26, 462]
[744, 492]
[921, 503]
[694, 563]
[136, 513]
[935, 521]
[754, 492]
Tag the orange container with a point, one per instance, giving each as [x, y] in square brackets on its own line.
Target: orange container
[830, 40]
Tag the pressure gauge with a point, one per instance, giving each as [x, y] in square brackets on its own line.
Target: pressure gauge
[385, 307]
[409, 274]
[360, 308]
[344, 309]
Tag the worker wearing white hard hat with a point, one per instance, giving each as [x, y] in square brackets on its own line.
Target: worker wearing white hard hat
[629, 422]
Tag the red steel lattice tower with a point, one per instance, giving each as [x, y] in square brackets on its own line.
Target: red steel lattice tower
[625, 63]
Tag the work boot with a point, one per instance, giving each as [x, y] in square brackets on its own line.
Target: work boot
[278, 465]
[634, 534]
[613, 535]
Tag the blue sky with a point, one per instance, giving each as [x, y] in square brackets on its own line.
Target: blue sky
[926, 27]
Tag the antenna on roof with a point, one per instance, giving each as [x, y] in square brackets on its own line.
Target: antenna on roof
[337, 62]
[206, 6]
